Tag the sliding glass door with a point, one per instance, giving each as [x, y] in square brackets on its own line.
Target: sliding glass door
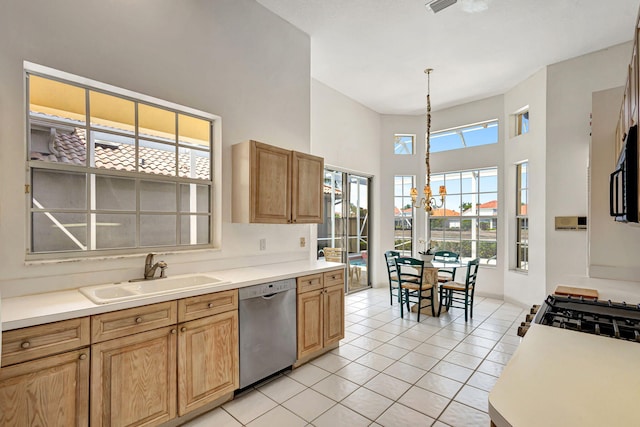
[346, 225]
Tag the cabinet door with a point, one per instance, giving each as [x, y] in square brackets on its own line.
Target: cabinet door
[270, 185]
[309, 322]
[307, 183]
[207, 360]
[133, 379]
[46, 392]
[333, 314]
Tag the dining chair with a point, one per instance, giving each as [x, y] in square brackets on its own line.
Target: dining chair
[460, 295]
[410, 276]
[390, 258]
[447, 274]
[335, 255]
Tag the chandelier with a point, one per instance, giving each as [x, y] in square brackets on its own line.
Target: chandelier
[428, 202]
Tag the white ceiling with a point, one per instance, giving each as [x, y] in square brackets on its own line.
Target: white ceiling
[375, 51]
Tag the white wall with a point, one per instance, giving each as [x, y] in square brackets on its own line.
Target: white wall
[526, 288]
[614, 246]
[569, 104]
[347, 135]
[233, 58]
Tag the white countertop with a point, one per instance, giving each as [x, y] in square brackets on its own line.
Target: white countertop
[30, 310]
[559, 377]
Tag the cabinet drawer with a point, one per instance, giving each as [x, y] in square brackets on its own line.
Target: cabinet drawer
[133, 320]
[334, 277]
[207, 305]
[24, 344]
[310, 283]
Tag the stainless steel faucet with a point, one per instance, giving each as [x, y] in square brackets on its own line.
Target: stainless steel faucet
[150, 268]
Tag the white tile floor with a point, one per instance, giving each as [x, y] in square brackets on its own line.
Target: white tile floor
[388, 371]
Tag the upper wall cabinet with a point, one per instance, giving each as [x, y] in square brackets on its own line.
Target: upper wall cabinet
[629, 111]
[276, 186]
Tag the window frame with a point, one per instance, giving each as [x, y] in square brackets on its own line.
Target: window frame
[404, 198]
[476, 218]
[397, 136]
[521, 219]
[91, 173]
[519, 117]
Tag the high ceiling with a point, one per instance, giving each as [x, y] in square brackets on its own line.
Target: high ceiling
[375, 51]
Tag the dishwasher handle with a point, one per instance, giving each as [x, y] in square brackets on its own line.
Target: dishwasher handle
[269, 296]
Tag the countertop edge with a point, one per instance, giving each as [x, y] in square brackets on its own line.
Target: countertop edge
[37, 309]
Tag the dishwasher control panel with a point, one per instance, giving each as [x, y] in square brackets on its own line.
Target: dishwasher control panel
[266, 289]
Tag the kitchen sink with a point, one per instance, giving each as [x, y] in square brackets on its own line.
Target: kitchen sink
[114, 292]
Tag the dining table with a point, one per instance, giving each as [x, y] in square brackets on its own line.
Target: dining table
[430, 276]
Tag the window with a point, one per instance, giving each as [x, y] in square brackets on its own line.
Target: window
[482, 133]
[522, 122]
[522, 218]
[468, 221]
[403, 216]
[111, 170]
[404, 144]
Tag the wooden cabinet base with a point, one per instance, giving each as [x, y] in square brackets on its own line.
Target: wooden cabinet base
[197, 412]
[52, 391]
[133, 379]
[315, 354]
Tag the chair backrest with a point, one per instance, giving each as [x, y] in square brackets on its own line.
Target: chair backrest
[333, 254]
[472, 273]
[390, 258]
[409, 270]
[446, 256]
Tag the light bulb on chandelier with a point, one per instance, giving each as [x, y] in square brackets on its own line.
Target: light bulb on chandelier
[428, 202]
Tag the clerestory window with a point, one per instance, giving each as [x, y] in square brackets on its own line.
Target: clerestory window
[473, 135]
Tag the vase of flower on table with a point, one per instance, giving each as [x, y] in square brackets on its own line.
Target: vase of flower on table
[427, 254]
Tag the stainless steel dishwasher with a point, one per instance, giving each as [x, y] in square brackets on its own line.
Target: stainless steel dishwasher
[268, 342]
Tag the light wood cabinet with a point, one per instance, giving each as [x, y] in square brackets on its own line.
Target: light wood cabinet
[208, 361]
[122, 323]
[307, 188]
[44, 379]
[333, 321]
[21, 345]
[163, 360]
[208, 358]
[310, 330]
[133, 379]
[51, 391]
[276, 186]
[320, 312]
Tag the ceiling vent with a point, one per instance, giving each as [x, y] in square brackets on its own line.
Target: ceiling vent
[437, 5]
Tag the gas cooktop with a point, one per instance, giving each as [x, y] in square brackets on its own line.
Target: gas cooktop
[612, 319]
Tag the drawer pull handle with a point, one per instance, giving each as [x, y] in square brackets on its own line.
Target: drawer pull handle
[83, 356]
[25, 344]
[138, 319]
[183, 329]
[173, 331]
[210, 305]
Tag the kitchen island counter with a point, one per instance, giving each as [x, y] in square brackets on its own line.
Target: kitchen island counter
[559, 377]
[37, 309]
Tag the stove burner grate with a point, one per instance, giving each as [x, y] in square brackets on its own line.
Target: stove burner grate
[616, 320]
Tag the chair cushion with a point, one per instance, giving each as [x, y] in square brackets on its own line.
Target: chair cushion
[415, 286]
[455, 286]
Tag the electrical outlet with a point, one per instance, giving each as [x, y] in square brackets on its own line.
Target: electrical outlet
[263, 244]
[303, 242]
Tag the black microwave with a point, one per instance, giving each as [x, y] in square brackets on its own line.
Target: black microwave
[623, 183]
